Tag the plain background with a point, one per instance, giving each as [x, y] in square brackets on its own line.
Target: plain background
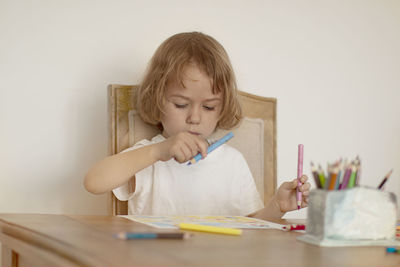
[334, 67]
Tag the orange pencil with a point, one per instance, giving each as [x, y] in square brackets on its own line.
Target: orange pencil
[332, 182]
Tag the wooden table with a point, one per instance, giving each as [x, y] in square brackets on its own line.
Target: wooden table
[62, 240]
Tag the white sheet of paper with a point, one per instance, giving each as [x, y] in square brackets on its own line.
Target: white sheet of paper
[172, 222]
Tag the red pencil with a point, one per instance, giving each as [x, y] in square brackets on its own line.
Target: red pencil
[294, 227]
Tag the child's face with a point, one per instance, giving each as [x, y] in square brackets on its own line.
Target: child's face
[192, 107]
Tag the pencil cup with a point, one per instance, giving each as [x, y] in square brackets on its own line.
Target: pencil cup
[352, 217]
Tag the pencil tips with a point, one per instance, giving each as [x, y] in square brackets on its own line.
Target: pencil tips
[389, 173]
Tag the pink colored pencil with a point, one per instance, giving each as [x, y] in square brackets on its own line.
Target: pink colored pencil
[346, 178]
[299, 195]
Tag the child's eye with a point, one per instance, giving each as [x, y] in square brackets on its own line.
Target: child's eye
[208, 108]
[180, 105]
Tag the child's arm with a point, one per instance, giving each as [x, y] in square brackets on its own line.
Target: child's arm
[284, 200]
[116, 170]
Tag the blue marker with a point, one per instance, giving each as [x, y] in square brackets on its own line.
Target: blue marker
[213, 146]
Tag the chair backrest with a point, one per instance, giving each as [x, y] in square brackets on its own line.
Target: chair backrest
[255, 137]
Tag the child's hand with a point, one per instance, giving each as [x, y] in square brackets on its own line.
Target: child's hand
[286, 195]
[182, 147]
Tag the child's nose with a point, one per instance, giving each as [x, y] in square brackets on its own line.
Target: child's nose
[194, 116]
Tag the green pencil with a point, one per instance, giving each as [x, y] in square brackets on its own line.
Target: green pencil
[352, 179]
[321, 176]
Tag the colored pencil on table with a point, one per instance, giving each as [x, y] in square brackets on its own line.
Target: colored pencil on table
[150, 235]
[392, 250]
[380, 186]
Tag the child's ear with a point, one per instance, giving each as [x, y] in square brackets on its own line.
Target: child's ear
[160, 127]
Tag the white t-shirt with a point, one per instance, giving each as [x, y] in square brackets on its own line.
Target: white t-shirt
[220, 184]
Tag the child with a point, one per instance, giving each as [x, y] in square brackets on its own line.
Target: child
[189, 90]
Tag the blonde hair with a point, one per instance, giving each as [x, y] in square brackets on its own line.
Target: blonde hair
[168, 62]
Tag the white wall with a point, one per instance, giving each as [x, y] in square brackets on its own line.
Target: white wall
[334, 67]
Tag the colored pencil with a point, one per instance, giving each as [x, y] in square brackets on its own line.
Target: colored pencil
[151, 235]
[358, 174]
[328, 177]
[333, 179]
[346, 178]
[315, 175]
[339, 175]
[342, 170]
[380, 186]
[352, 179]
[392, 250]
[321, 176]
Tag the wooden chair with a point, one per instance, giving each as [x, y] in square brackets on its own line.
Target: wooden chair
[255, 137]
